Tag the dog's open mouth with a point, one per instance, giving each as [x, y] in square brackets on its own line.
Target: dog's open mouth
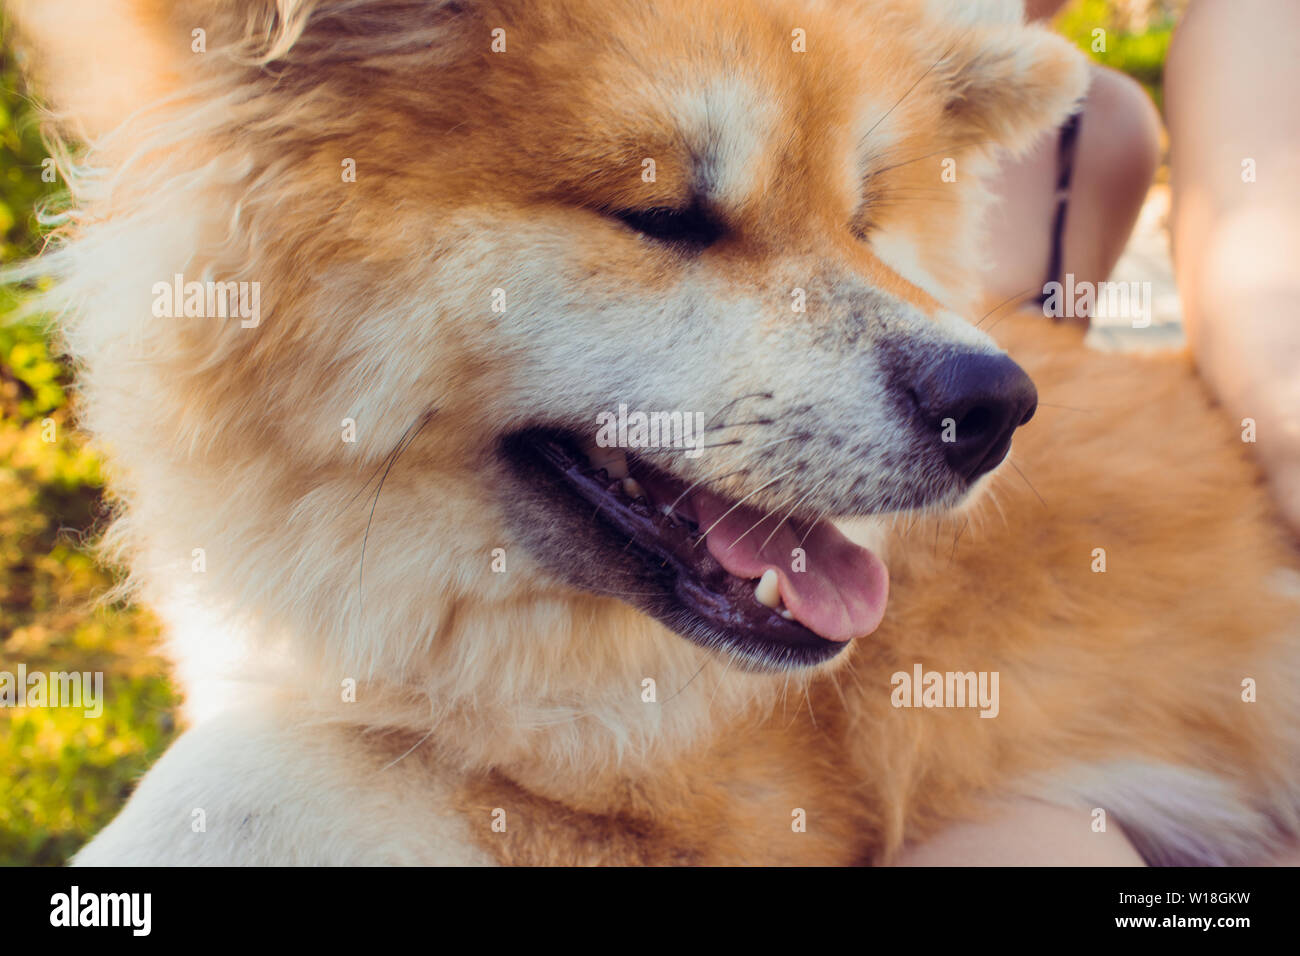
[775, 588]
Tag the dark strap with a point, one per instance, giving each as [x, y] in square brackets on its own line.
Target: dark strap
[1064, 173]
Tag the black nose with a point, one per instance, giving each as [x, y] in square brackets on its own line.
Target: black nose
[972, 403]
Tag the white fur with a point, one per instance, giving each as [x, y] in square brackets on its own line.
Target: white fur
[1175, 816]
[251, 788]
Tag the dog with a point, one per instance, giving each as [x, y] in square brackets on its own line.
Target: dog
[374, 304]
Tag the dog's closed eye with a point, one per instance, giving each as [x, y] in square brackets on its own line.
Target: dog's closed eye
[692, 226]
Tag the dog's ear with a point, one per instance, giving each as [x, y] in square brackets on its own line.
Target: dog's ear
[1007, 84]
[95, 61]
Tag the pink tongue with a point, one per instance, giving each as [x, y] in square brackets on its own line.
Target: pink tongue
[842, 589]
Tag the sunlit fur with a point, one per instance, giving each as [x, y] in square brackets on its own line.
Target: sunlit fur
[478, 690]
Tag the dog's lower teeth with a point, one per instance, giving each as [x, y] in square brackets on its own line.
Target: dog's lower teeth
[612, 460]
[786, 614]
[768, 591]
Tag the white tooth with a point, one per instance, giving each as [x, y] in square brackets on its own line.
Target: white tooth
[786, 614]
[615, 463]
[613, 460]
[768, 592]
[632, 489]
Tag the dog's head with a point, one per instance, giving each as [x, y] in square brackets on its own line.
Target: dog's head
[559, 307]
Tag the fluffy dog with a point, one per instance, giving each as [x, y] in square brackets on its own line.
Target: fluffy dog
[351, 286]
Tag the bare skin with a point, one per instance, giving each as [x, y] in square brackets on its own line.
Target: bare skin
[1027, 833]
[1230, 81]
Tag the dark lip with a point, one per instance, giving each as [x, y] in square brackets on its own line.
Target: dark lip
[680, 585]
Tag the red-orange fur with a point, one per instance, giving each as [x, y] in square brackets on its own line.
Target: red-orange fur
[1144, 660]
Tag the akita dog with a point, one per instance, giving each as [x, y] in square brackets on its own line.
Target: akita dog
[360, 282]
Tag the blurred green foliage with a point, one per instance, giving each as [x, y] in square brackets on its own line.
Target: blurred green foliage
[1137, 49]
[65, 775]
